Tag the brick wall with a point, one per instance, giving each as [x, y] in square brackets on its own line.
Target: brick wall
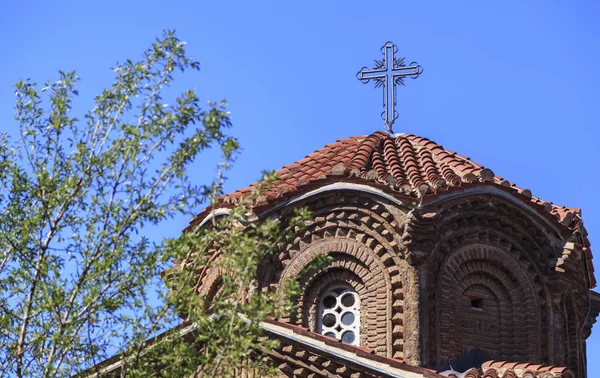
[361, 237]
[480, 320]
[439, 280]
[504, 320]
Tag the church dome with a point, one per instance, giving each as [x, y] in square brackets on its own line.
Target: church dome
[412, 168]
[437, 255]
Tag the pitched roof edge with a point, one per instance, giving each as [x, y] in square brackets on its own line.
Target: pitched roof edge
[412, 165]
[371, 187]
[355, 355]
[115, 363]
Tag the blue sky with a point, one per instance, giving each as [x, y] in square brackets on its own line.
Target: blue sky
[512, 84]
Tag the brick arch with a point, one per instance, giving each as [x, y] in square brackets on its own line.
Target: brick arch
[352, 263]
[209, 282]
[502, 223]
[368, 312]
[213, 287]
[360, 217]
[499, 326]
[506, 316]
[491, 221]
[366, 222]
[312, 292]
[212, 280]
[501, 236]
[514, 311]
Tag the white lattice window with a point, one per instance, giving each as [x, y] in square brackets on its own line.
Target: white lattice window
[339, 314]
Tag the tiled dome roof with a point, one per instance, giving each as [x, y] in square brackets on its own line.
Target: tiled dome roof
[406, 165]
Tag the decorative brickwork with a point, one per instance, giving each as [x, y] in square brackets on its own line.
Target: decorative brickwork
[525, 244]
[359, 234]
[504, 369]
[348, 265]
[303, 353]
[444, 255]
[211, 282]
[485, 300]
[406, 165]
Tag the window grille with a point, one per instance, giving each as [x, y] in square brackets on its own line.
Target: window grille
[339, 314]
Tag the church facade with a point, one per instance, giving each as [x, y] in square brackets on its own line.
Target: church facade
[438, 267]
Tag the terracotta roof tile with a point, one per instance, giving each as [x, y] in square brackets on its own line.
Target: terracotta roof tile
[388, 365]
[515, 369]
[404, 165]
[425, 166]
[488, 369]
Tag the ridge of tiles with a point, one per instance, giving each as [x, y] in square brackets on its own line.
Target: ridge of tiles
[409, 165]
[520, 369]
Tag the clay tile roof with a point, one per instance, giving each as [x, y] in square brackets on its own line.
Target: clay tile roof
[354, 360]
[407, 166]
[390, 367]
[518, 370]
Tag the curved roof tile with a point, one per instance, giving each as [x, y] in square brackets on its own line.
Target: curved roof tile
[409, 165]
[412, 168]
[405, 165]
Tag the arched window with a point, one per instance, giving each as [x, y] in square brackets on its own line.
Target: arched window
[339, 314]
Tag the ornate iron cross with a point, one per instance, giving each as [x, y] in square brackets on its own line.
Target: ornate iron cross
[388, 73]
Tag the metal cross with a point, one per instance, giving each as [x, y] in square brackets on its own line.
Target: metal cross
[388, 73]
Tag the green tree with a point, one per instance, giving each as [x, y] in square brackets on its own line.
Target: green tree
[78, 277]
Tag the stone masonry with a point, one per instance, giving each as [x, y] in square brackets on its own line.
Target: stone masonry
[445, 256]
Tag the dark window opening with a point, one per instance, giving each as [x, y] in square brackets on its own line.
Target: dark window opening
[477, 303]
